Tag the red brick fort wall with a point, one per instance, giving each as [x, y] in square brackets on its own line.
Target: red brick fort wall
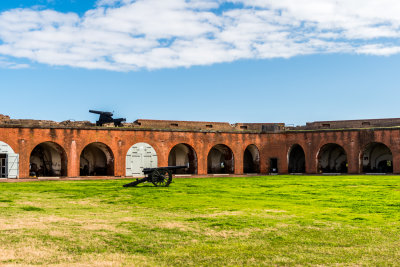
[270, 145]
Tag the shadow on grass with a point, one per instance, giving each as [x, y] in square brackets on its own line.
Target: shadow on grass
[31, 208]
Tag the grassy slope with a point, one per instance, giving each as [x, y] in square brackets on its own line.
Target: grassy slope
[280, 220]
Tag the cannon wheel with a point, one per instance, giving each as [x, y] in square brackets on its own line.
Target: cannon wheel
[161, 177]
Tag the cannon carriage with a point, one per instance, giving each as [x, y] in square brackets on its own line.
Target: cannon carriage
[161, 176]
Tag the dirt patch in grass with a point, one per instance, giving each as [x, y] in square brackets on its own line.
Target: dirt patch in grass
[227, 233]
[7, 255]
[176, 225]
[275, 211]
[99, 227]
[29, 222]
[32, 253]
[223, 213]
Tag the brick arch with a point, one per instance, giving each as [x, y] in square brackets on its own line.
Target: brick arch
[296, 162]
[211, 145]
[186, 142]
[290, 148]
[251, 159]
[82, 146]
[335, 161]
[97, 159]
[220, 159]
[385, 155]
[364, 146]
[48, 158]
[189, 158]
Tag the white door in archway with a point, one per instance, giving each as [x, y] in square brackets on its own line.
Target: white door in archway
[140, 156]
[9, 162]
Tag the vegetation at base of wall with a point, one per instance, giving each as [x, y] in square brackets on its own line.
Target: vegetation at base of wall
[271, 220]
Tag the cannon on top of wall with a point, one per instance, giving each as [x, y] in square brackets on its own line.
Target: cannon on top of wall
[106, 117]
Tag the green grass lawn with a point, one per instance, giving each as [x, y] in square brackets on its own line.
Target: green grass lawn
[271, 220]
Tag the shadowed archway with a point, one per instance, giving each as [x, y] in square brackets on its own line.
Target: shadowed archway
[251, 160]
[332, 158]
[97, 159]
[48, 159]
[377, 158]
[183, 154]
[220, 160]
[296, 159]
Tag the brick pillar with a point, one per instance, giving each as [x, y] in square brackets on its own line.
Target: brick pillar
[119, 161]
[24, 157]
[263, 163]
[238, 157]
[353, 158]
[73, 162]
[163, 156]
[311, 159]
[202, 162]
[283, 164]
[396, 161]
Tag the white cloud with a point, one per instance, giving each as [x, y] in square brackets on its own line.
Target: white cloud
[127, 35]
[376, 49]
[357, 19]
[5, 64]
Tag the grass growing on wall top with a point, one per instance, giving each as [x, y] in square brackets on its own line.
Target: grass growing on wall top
[271, 220]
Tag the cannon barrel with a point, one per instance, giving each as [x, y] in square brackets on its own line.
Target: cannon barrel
[169, 168]
[101, 112]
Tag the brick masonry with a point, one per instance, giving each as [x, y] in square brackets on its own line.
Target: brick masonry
[275, 144]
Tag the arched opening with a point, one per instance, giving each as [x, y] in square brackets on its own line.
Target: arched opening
[377, 158]
[297, 160]
[332, 159]
[220, 160]
[183, 154]
[138, 157]
[9, 162]
[97, 159]
[48, 159]
[251, 160]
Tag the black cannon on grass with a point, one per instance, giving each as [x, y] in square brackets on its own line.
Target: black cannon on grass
[161, 176]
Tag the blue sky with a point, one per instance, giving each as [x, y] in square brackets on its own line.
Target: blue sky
[252, 61]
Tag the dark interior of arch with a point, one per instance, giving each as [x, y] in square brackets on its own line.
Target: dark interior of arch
[220, 160]
[183, 154]
[377, 158]
[251, 160]
[332, 159]
[96, 160]
[297, 160]
[48, 160]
